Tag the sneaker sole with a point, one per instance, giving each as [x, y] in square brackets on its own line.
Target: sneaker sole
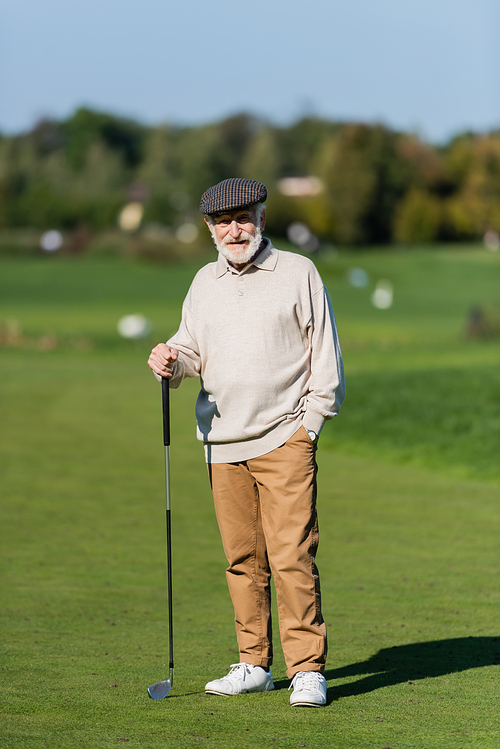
[235, 694]
[221, 694]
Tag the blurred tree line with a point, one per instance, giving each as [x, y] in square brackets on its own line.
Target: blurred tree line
[378, 185]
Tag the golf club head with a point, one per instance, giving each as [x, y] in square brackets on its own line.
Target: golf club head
[159, 690]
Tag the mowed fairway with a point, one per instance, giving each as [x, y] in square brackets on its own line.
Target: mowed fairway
[409, 516]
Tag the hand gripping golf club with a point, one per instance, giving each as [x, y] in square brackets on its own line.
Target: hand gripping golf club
[160, 690]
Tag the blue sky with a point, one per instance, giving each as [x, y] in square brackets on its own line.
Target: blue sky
[431, 66]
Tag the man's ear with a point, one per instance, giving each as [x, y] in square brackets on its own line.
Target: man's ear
[263, 219]
[210, 227]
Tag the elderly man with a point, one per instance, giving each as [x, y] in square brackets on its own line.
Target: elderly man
[259, 330]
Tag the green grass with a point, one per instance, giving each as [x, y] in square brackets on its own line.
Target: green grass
[409, 516]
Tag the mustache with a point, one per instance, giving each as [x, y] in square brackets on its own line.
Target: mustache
[242, 238]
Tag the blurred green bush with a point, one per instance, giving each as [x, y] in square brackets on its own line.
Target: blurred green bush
[376, 185]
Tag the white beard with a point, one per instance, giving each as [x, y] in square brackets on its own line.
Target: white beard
[240, 256]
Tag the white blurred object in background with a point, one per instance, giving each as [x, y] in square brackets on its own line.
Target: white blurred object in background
[300, 186]
[358, 277]
[134, 326]
[491, 240]
[383, 295]
[187, 233]
[301, 235]
[130, 217]
[51, 241]
[298, 233]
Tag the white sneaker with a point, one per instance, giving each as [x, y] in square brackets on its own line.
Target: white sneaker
[309, 689]
[241, 679]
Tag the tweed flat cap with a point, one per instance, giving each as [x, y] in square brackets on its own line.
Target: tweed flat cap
[232, 193]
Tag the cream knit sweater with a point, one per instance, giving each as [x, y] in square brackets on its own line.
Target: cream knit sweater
[264, 343]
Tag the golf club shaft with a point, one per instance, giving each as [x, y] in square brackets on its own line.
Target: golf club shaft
[166, 442]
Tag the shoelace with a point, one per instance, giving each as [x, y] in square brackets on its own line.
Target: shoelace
[235, 668]
[310, 680]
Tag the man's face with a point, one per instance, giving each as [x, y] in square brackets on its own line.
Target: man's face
[237, 235]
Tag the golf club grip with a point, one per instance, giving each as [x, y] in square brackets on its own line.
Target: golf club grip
[166, 410]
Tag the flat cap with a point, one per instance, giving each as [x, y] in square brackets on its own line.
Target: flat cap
[232, 193]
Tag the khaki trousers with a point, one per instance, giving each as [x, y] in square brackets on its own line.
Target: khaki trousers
[266, 510]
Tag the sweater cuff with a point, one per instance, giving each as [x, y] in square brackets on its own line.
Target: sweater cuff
[313, 420]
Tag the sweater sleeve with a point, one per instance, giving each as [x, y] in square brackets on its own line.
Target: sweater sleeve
[326, 384]
[189, 362]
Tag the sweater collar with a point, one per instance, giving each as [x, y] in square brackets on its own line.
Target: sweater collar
[265, 260]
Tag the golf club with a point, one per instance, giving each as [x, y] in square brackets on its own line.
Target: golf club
[160, 690]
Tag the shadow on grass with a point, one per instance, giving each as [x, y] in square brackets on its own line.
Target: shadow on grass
[404, 663]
